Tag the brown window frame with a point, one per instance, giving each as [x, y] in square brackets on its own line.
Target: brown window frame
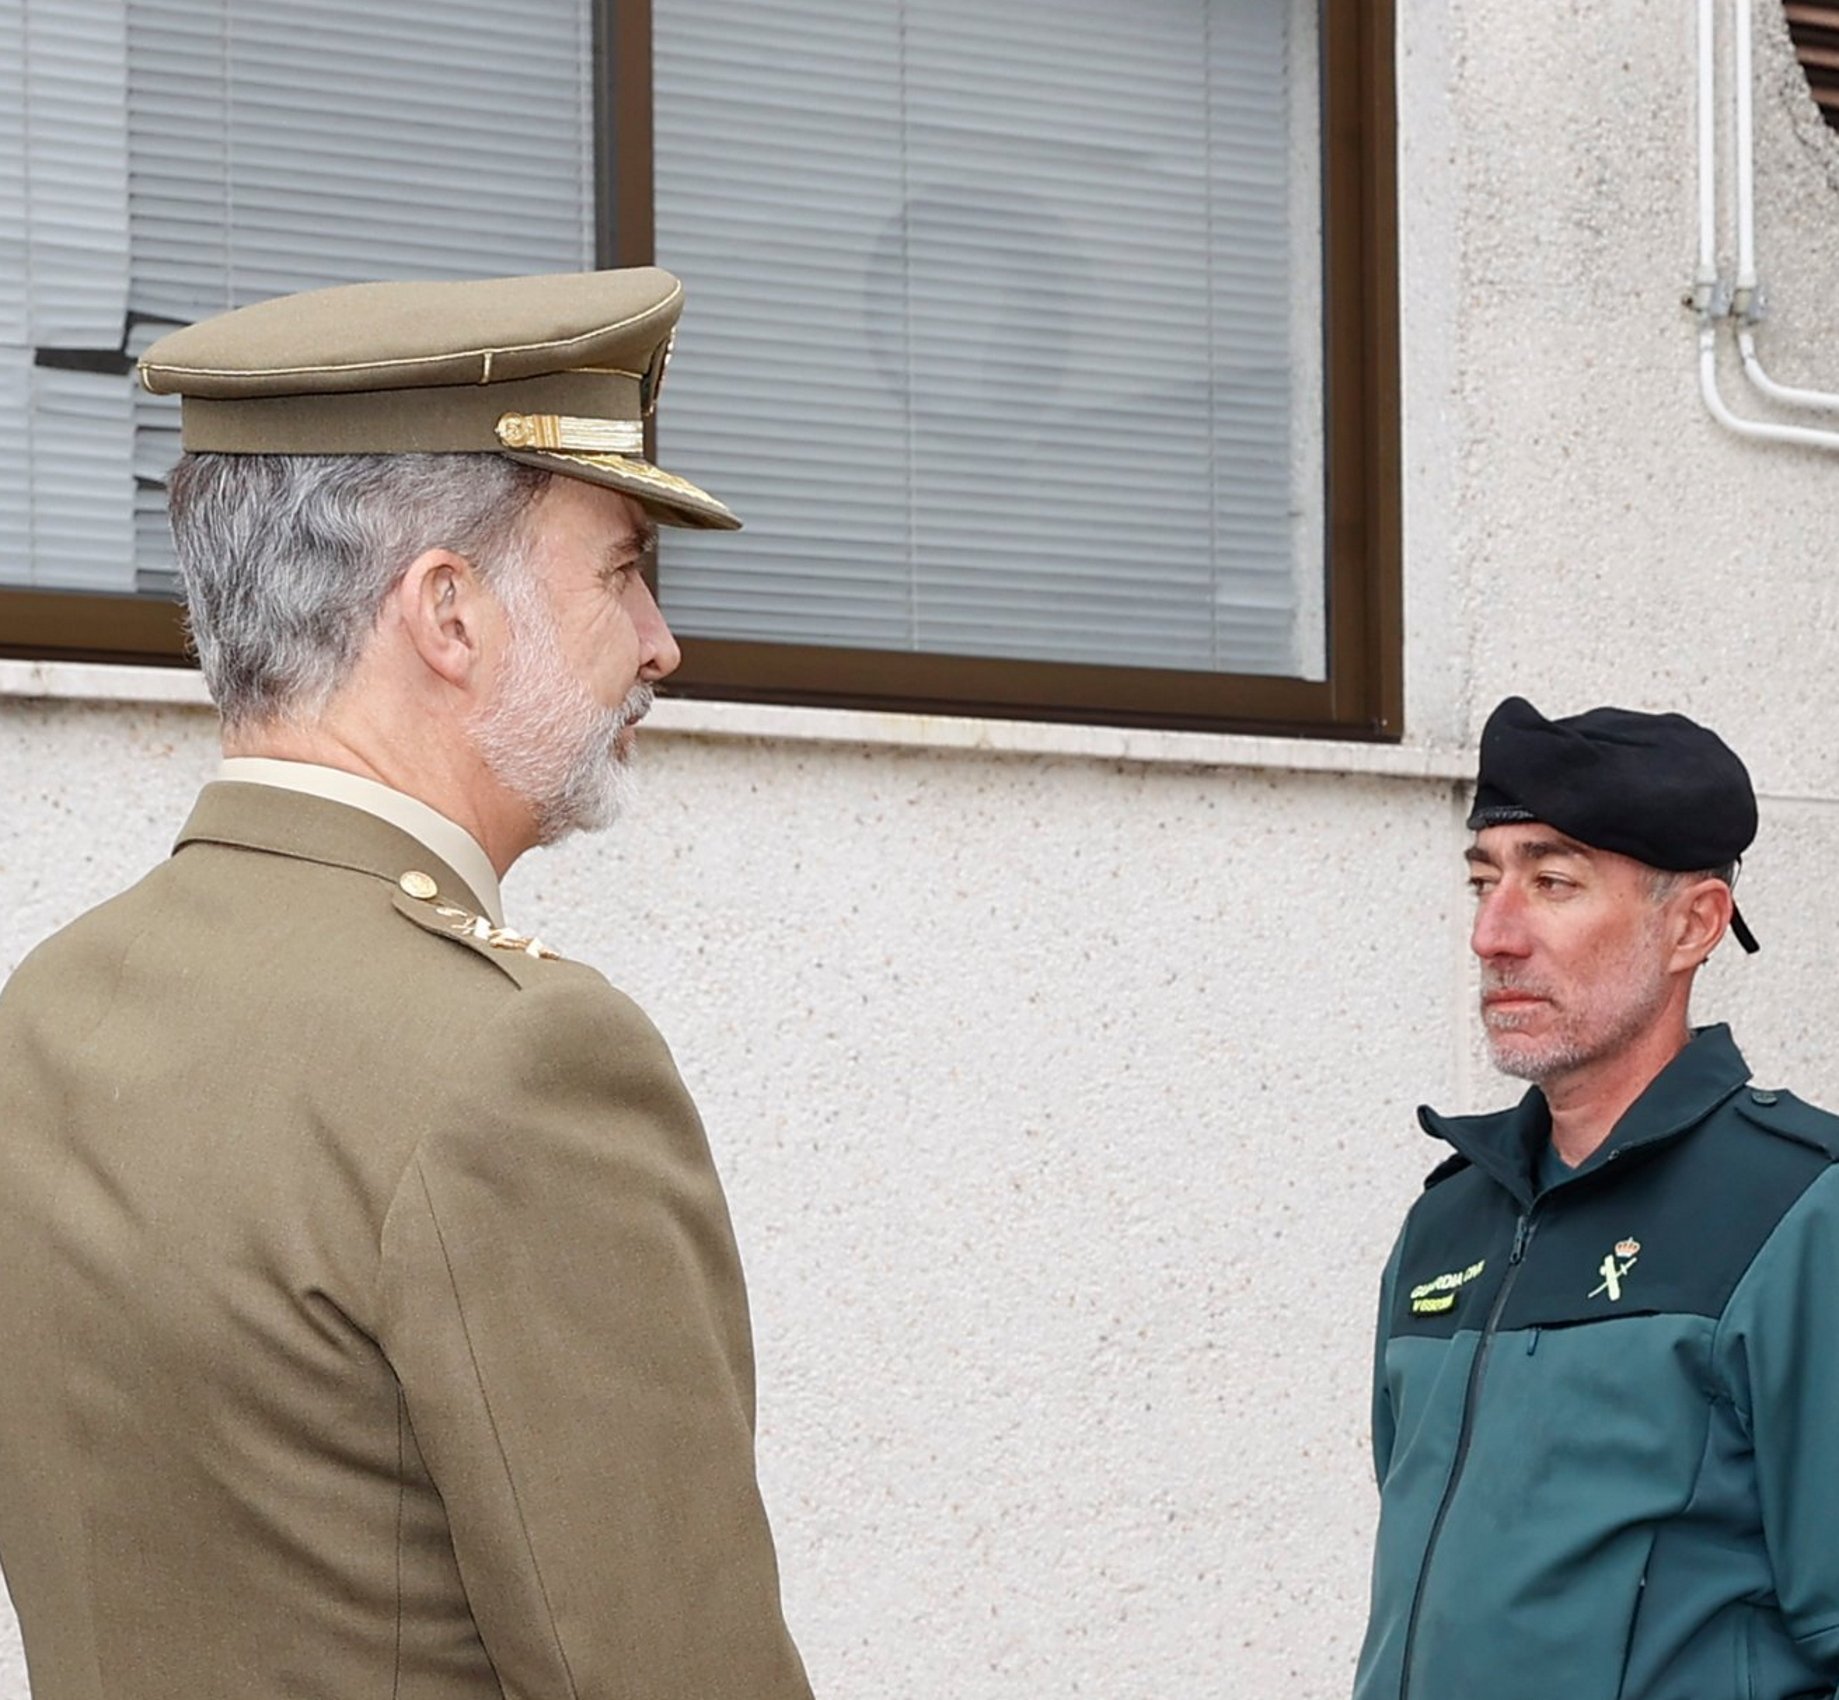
[1363, 693]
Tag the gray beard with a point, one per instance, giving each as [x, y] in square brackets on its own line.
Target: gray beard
[543, 736]
[1558, 1057]
[1563, 1053]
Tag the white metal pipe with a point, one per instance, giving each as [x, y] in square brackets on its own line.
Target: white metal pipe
[1748, 302]
[1762, 430]
[1745, 90]
[1708, 141]
[1707, 301]
[1815, 401]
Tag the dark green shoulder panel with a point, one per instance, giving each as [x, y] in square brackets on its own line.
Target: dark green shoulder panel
[1452, 1165]
[1672, 1230]
[1788, 1117]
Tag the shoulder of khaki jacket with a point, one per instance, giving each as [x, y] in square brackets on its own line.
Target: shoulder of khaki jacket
[521, 957]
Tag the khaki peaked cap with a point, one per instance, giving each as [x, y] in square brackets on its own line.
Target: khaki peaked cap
[558, 372]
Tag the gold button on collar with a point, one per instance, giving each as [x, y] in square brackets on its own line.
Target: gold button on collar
[418, 884]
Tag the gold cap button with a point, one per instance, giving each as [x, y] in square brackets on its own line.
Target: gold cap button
[418, 884]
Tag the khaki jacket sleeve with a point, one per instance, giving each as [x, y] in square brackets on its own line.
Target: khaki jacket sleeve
[561, 1300]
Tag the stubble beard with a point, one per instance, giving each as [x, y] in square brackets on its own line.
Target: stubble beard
[545, 738]
[1603, 1020]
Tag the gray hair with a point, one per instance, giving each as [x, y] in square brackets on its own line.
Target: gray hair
[1663, 882]
[287, 560]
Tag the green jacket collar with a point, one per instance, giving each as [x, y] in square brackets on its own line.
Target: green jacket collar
[316, 829]
[1507, 1144]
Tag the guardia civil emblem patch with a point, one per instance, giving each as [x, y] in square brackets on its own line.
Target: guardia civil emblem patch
[1614, 1269]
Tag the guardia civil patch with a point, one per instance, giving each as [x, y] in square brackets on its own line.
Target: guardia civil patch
[1436, 1296]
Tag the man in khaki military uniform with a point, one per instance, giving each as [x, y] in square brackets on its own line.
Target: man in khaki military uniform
[370, 1317]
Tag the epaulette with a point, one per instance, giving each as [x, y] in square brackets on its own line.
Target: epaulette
[1789, 1117]
[419, 899]
[1451, 1165]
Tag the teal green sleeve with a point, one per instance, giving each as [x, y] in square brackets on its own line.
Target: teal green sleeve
[1777, 1352]
[1385, 1424]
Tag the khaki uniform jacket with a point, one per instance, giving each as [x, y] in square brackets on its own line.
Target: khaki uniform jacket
[370, 1319]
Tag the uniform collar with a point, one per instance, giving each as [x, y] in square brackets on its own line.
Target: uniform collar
[288, 821]
[451, 843]
[1507, 1144]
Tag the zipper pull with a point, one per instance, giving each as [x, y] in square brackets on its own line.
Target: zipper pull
[1519, 1241]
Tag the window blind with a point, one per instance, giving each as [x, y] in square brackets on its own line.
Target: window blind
[281, 145]
[999, 326]
[290, 144]
[66, 110]
[63, 295]
[181, 157]
[16, 555]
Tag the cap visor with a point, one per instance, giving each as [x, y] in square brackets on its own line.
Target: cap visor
[667, 498]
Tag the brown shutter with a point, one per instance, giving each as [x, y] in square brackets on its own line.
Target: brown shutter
[1814, 25]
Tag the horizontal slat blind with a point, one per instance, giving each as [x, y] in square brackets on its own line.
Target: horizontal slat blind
[156, 450]
[989, 327]
[15, 467]
[15, 289]
[66, 510]
[63, 289]
[162, 160]
[15, 256]
[292, 144]
[82, 504]
[76, 173]
[289, 144]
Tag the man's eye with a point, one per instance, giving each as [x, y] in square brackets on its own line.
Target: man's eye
[1554, 883]
[1480, 887]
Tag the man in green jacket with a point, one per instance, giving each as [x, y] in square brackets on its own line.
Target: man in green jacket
[1607, 1386]
[370, 1317]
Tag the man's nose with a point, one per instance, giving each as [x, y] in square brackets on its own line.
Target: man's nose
[657, 646]
[1500, 925]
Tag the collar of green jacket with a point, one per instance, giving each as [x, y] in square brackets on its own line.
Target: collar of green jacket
[1507, 1143]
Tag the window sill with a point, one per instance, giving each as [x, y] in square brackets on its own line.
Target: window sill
[97, 683]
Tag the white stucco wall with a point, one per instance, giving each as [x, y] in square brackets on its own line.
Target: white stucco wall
[1057, 1200]
[1064, 1100]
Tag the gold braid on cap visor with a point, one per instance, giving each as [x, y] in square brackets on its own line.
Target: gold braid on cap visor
[558, 432]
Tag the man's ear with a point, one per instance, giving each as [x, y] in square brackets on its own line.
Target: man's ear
[445, 609]
[1702, 918]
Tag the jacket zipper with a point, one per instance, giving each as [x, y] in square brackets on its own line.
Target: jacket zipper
[1522, 1238]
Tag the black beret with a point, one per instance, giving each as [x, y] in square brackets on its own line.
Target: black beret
[1658, 787]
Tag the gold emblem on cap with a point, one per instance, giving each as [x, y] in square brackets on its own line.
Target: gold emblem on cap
[418, 884]
[559, 432]
[643, 472]
[652, 385]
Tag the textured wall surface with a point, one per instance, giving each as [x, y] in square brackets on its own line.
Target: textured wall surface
[1615, 535]
[1065, 1112]
[1065, 1105]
